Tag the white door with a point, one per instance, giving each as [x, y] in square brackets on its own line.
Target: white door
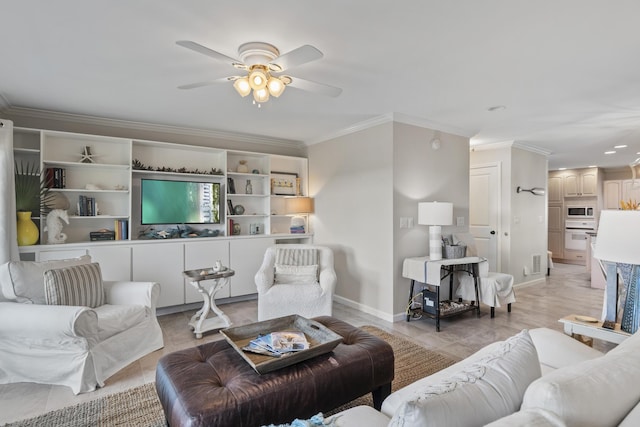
[484, 211]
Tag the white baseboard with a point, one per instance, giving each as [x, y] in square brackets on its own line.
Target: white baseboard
[364, 308]
[537, 281]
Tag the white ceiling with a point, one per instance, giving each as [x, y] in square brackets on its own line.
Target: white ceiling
[568, 71]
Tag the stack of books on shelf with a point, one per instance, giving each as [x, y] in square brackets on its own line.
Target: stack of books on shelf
[122, 229]
[87, 206]
[101, 235]
[56, 178]
[298, 229]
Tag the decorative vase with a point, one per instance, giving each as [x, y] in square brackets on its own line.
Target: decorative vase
[242, 167]
[248, 188]
[28, 232]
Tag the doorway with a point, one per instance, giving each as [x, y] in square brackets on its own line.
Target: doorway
[484, 211]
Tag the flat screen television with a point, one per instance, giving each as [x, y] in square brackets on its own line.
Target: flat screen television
[179, 202]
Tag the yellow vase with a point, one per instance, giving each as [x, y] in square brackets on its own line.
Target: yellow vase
[28, 232]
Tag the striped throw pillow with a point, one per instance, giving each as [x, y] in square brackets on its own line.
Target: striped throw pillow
[292, 256]
[80, 285]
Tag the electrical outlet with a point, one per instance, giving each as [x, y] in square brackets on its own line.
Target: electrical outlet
[410, 222]
[460, 221]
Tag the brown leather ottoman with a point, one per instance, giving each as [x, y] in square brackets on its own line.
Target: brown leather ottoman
[212, 385]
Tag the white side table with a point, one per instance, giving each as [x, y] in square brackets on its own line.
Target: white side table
[201, 322]
[573, 326]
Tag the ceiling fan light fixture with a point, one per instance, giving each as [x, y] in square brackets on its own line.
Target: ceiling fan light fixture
[275, 86]
[242, 86]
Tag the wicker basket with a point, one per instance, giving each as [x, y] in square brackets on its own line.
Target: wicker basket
[454, 251]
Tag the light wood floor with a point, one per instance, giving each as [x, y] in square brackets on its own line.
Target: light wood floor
[565, 291]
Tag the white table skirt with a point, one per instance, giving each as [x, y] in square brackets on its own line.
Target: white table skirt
[423, 270]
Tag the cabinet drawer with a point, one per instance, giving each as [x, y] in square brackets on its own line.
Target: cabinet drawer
[575, 255]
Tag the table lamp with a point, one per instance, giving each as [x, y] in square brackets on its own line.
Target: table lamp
[296, 206]
[435, 214]
[617, 243]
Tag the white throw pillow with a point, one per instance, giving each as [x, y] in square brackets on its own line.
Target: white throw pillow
[480, 393]
[596, 392]
[23, 281]
[80, 285]
[296, 274]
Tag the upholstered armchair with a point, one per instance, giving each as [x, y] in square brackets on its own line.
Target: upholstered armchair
[296, 279]
[61, 324]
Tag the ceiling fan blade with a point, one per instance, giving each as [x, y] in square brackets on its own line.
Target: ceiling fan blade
[315, 87]
[299, 56]
[207, 83]
[206, 51]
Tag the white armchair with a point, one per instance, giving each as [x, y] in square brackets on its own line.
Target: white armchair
[79, 347]
[288, 283]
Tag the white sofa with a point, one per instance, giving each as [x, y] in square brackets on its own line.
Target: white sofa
[76, 346]
[536, 378]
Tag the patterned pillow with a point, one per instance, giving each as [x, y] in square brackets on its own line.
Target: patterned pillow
[295, 256]
[80, 285]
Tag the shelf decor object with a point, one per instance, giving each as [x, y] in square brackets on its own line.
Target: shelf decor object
[435, 214]
[618, 234]
[283, 183]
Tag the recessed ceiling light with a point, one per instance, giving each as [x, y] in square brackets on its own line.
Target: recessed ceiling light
[609, 152]
[619, 146]
[497, 108]
[592, 166]
[562, 169]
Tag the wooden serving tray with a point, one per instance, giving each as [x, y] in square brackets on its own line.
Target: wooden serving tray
[321, 340]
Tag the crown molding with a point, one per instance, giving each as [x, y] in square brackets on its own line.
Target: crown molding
[365, 124]
[509, 144]
[532, 148]
[142, 126]
[430, 124]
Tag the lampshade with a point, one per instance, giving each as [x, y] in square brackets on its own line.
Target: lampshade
[299, 205]
[618, 237]
[435, 213]
[261, 95]
[275, 86]
[257, 78]
[241, 85]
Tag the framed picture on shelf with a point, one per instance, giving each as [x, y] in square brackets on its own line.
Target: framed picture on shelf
[284, 183]
[231, 185]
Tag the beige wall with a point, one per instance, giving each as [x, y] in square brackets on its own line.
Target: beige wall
[363, 183]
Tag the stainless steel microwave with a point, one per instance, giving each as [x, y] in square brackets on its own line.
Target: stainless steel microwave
[580, 212]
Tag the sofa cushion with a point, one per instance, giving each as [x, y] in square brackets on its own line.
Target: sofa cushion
[79, 285]
[596, 392]
[536, 417]
[296, 274]
[557, 350]
[482, 392]
[633, 418]
[23, 281]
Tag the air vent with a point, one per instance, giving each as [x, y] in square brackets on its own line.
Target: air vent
[536, 264]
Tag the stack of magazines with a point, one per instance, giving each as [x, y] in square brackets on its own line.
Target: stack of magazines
[277, 344]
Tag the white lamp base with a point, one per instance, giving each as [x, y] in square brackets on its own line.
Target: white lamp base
[435, 242]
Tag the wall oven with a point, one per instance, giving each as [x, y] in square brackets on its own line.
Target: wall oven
[580, 212]
[576, 237]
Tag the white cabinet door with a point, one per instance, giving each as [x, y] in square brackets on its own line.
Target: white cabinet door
[612, 194]
[49, 255]
[115, 261]
[631, 192]
[246, 258]
[202, 255]
[163, 263]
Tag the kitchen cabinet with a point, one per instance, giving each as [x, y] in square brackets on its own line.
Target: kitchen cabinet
[620, 189]
[556, 231]
[581, 182]
[555, 189]
[556, 243]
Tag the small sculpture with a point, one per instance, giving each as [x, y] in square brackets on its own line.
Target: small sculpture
[54, 226]
[86, 156]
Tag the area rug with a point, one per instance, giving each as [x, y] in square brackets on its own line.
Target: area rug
[140, 406]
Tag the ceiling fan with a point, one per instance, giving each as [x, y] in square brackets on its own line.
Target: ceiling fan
[264, 66]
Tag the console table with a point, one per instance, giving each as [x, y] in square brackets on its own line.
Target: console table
[423, 270]
[200, 322]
